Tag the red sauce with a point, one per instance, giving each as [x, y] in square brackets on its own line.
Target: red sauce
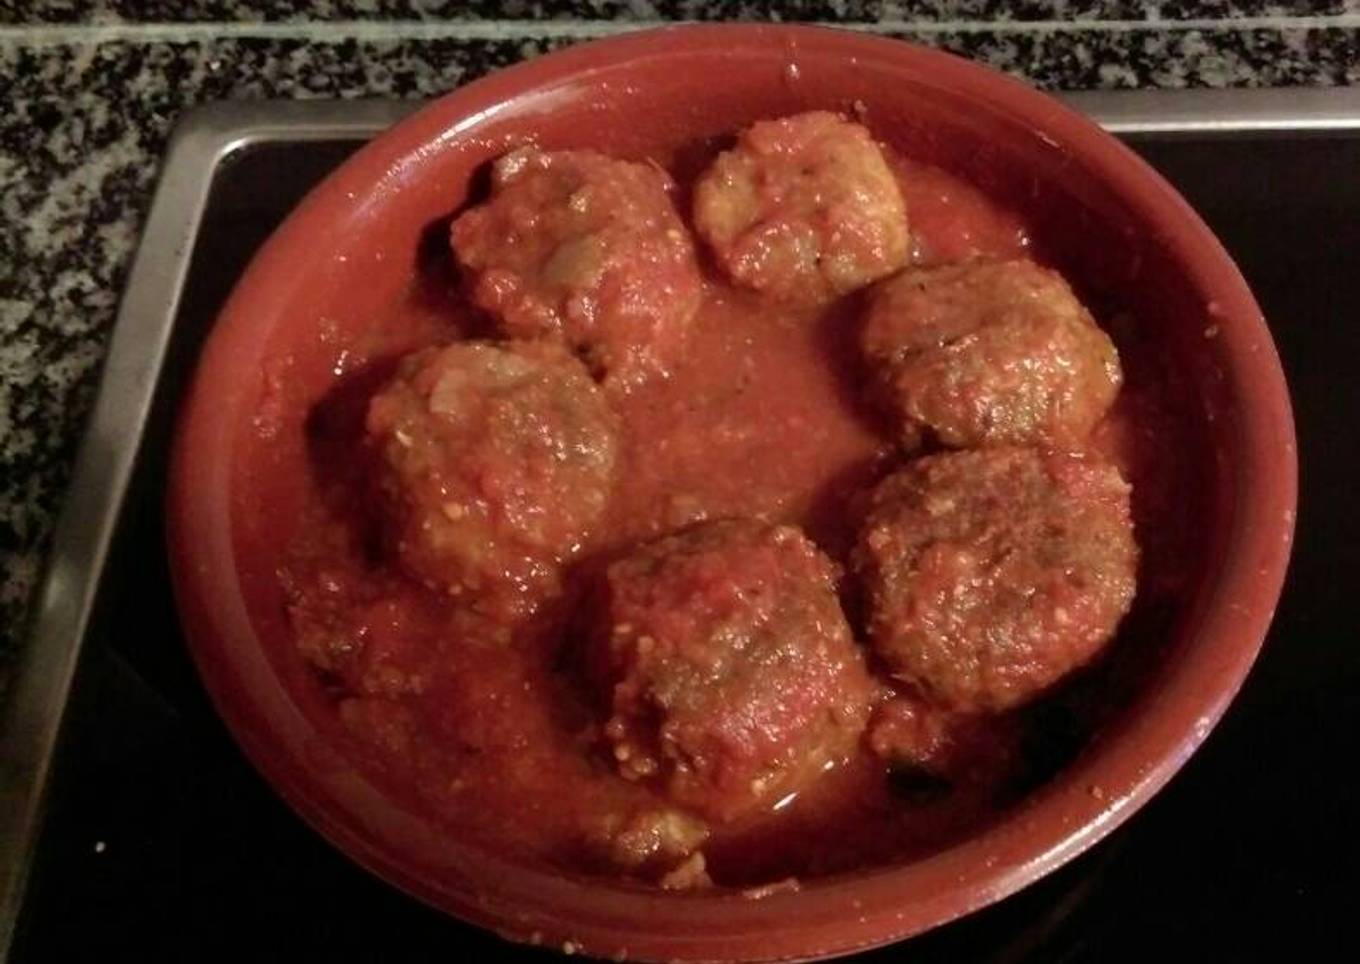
[499, 739]
[951, 220]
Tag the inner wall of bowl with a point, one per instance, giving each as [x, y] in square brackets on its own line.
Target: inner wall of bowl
[372, 259]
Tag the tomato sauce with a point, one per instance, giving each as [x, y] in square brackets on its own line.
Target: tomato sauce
[492, 732]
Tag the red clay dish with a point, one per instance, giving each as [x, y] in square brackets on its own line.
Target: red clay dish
[355, 245]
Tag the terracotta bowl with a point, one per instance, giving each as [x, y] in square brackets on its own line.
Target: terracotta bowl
[354, 246]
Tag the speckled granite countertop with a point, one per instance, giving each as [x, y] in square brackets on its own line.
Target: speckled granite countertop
[89, 90]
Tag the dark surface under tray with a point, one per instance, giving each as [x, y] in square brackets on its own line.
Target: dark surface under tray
[162, 843]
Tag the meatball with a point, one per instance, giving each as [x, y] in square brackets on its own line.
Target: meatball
[493, 462]
[803, 206]
[585, 249]
[729, 673]
[989, 353]
[990, 574]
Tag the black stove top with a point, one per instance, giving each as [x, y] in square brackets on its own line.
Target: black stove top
[161, 843]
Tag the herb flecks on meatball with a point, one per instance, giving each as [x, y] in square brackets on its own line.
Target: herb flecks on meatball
[493, 464]
[729, 673]
[989, 575]
[803, 206]
[989, 353]
[585, 249]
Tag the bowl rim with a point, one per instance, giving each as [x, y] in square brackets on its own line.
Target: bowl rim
[838, 915]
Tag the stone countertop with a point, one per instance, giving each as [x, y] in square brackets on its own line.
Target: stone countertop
[89, 90]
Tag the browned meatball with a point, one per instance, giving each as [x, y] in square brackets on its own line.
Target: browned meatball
[990, 353]
[493, 463]
[803, 207]
[586, 249]
[990, 574]
[727, 666]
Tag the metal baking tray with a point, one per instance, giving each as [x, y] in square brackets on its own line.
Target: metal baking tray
[128, 822]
